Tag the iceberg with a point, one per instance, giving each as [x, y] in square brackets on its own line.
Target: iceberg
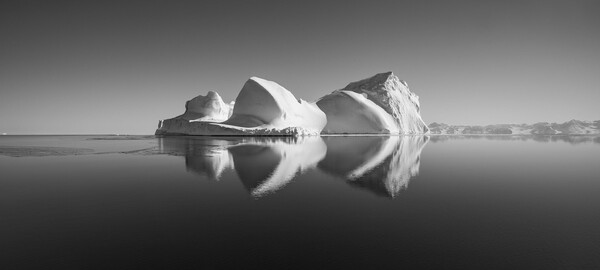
[265, 107]
[261, 108]
[201, 109]
[382, 104]
[206, 108]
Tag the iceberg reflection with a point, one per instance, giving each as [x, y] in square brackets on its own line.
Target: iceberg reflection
[381, 164]
[206, 157]
[264, 167]
[263, 164]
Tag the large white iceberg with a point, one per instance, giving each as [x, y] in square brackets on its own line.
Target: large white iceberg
[382, 104]
[262, 108]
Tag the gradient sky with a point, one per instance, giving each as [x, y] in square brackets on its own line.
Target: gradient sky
[113, 67]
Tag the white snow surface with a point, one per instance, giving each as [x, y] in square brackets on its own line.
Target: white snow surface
[381, 104]
[264, 104]
[206, 108]
[350, 112]
[262, 108]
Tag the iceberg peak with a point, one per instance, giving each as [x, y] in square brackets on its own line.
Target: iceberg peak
[206, 108]
[213, 94]
[372, 82]
[388, 106]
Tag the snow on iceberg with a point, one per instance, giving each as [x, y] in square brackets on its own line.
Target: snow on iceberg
[382, 104]
[201, 109]
[266, 105]
[206, 108]
[262, 108]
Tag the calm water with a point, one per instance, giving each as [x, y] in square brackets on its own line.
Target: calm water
[364, 202]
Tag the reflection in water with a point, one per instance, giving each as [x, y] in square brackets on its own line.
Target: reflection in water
[265, 167]
[382, 164]
[506, 203]
[205, 157]
[263, 164]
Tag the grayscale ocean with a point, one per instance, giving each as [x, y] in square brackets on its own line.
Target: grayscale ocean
[506, 202]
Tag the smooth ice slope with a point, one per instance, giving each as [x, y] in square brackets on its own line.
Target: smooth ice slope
[261, 108]
[381, 104]
[266, 105]
[350, 112]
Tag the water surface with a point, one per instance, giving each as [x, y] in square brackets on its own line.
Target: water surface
[369, 202]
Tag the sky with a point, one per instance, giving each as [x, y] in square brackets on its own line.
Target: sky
[105, 67]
